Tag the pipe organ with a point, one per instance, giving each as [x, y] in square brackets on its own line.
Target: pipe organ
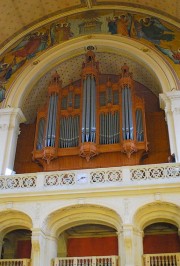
[90, 119]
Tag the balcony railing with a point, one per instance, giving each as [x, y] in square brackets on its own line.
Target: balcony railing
[163, 259]
[87, 261]
[15, 262]
[117, 177]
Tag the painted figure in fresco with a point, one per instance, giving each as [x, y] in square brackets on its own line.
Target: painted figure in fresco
[120, 25]
[31, 44]
[3, 69]
[124, 23]
[112, 25]
[2, 93]
[53, 34]
[6, 70]
[60, 32]
[172, 54]
[152, 30]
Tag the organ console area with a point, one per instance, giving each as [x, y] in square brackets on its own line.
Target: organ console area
[96, 123]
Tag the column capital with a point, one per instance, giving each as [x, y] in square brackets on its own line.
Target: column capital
[37, 232]
[10, 118]
[37, 239]
[170, 100]
[128, 231]
[9, 114]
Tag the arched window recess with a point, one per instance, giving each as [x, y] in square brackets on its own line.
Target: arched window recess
[91, 118]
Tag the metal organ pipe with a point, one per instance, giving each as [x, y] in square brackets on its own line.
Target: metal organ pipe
[53, 134]
[84, 111]
[130, 113]
[109, 128]
[123, 114]
[127, 114]
[89, 109]
[93, 109]
[49, 126]
[77, 131]
[139, 125]
[41, 126]
[69, 132]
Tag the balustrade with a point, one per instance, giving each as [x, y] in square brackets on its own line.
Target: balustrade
[87, 261]
[86, 178]
[163, 259]
[15, 262]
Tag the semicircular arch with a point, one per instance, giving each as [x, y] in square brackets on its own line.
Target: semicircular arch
[11, 220]
[63, 219]
[140, 9]
[157, 212]
[138, 52]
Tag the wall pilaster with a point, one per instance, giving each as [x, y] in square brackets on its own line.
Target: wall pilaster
[51, 249]
[170, 102]
[38, 241]
[121, 248]
[128, 238]
[10, 118]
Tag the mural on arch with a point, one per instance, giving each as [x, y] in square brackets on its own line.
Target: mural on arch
[147, 29]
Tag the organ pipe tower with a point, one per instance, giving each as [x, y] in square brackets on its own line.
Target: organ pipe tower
[90, 118]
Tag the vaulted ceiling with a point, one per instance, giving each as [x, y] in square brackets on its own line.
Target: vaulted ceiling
[18, 16]
[71, 69]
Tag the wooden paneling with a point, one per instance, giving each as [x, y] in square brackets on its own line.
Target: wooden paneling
[23, 249]
[164, 243]
[157, 135]
[92, 246]
[23, 159]
[102, 160]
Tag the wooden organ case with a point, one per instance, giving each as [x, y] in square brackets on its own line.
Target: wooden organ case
[86, 121]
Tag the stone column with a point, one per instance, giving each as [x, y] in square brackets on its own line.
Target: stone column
[132, 251]
[51, 249]
[44, 248]
[121, 253]
[138, 247]
[170, 102]
[10, 118]
[128, 238]
[38, 252]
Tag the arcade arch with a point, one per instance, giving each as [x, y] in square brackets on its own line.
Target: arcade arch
[15, 229]
[75, 215]
[142, 54]
[157, 212]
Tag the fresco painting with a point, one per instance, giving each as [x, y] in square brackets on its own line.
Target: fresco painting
[121, 25]
[153, 30]
[173, 55]
[147, 29]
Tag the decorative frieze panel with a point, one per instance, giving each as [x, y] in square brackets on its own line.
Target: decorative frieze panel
[155, 173]
[87, 178]
[13, 182]
[59, 179]
[103, 176]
